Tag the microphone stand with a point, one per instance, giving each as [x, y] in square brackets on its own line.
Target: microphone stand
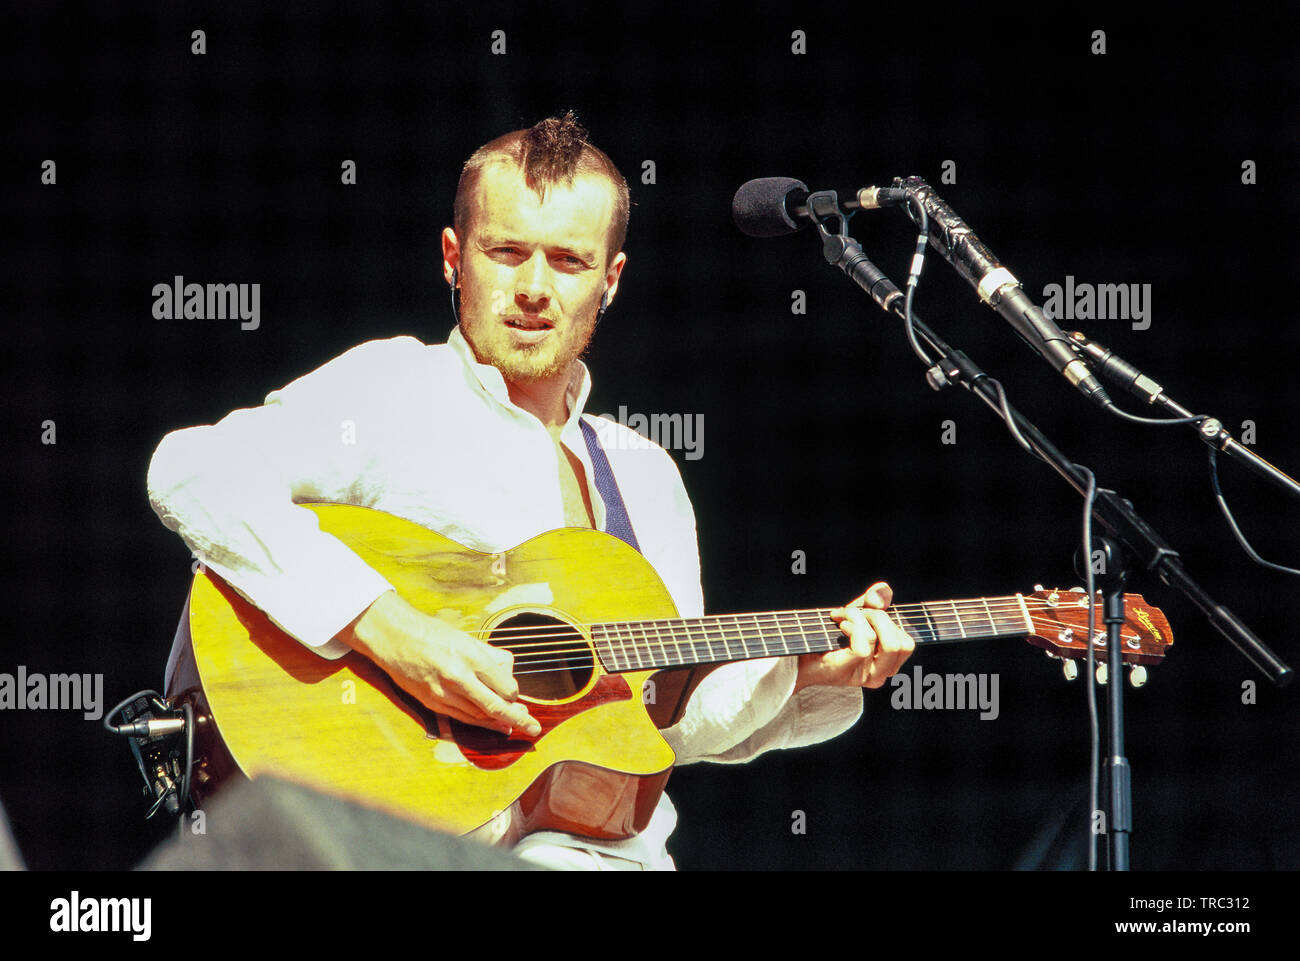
[1130, 537]
[1210, 430]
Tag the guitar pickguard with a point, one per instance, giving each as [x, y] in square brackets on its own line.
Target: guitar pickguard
[491, 751]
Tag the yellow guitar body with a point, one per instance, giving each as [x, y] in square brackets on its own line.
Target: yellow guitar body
[343, 727]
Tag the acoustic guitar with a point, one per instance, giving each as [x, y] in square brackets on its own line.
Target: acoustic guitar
[591, 627]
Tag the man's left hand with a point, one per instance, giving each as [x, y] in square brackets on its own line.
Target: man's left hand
[877, 646]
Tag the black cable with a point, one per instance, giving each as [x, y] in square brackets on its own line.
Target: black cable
[127, 730]
[1154, 421]
[189, 755]
[1236, 531]
[1090, 495]
[1094, 764]
[914, 276]
[1198, 419]
[1005, 411]
[138, 731]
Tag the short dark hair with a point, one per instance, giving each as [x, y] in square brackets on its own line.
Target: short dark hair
[552, 151]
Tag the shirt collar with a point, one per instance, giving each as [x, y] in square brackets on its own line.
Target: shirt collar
[491, 380]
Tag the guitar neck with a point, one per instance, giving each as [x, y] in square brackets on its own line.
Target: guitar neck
[683, 642]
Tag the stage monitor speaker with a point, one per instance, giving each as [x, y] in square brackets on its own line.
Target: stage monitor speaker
[269, 824]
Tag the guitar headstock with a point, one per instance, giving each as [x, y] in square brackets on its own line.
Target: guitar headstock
[1060, 627]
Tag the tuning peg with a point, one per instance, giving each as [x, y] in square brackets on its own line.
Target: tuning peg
[1138, 676]
[1102, 673]
[1070, 669]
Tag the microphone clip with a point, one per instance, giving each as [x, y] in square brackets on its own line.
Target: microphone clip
[824, 206]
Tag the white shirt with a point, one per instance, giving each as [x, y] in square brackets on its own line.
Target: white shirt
[427, 433]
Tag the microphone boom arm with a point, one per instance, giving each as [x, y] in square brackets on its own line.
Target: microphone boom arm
[1113, 512]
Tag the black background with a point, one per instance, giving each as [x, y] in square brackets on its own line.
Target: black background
[820, 434]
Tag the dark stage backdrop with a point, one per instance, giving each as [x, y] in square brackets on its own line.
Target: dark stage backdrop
[1166, 163]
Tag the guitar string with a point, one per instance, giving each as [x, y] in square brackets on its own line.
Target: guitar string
[1011, 602]
[928, 607]
[569, 665]
[707, 630]
[758, 648]
[635, 650]
[1006, 610]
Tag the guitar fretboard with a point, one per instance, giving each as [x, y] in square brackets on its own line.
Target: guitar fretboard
[681, 642]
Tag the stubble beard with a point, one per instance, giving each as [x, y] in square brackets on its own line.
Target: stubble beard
[529, 363]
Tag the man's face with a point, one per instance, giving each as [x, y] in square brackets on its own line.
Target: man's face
[532, 272]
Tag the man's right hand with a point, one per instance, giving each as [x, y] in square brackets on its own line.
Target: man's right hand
[445, 669]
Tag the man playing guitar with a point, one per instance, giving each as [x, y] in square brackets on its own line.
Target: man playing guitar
[482, 440]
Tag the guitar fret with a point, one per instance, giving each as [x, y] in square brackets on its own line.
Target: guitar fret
[641, 646]
[713, 632]
[726, 643]
[908, 624]
[733, 633]
[704, 639]
[687, 630]
[988, 612]
[831, 635]
[600, 640]
[825, 633]
[743, 637]
[655, 654]
[918, 625]
[627, 659]
[1024, 610]
[720, 639]
[648, 647]
[767, 640]
[663, 648]
[722, 636]
[934, 625]
[711, 624]
[677, 632]
[627, 642]
[956, 613]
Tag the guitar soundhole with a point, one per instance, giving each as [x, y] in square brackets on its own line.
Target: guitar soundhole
[552, 660]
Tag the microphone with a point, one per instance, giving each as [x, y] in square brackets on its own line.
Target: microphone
[999, 288]
[762, 207]
[776, 206]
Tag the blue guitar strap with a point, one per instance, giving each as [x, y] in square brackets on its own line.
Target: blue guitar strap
[616, 519]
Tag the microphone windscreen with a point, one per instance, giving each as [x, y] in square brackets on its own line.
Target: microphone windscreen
[760, 206]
